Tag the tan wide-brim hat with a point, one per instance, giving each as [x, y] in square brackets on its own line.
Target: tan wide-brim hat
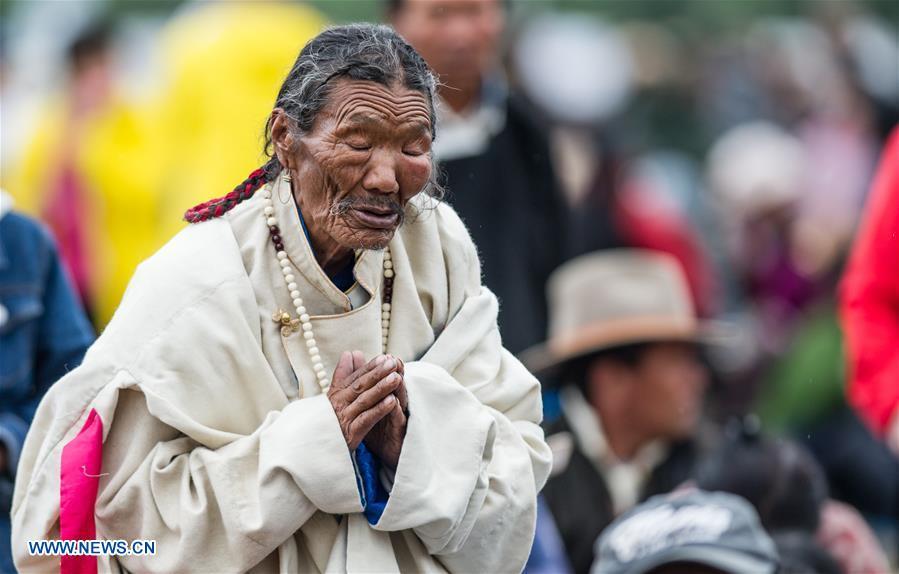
[617, 297]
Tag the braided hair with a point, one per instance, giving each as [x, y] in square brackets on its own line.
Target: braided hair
[365, 52]
[221, 205]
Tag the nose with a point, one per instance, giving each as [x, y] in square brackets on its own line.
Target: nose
[380, 176]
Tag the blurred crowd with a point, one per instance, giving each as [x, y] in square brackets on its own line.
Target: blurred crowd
[664, 211]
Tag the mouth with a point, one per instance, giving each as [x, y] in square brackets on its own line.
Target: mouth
[378, 218]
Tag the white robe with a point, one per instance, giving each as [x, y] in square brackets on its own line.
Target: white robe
[219, 444]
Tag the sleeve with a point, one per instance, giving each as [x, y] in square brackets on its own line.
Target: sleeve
[200, 450]
[474, 457]
[870, 300]
[230, 506]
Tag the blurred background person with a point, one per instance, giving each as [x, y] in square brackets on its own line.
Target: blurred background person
[624, 334]
[759, 173]
[88, 171]
[789, 490]
[43, 334]
[788, 202]
[693, 532]
[494, 156]
[112, 175]
[620, 194]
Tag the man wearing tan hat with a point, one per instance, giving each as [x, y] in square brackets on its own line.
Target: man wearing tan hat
[624, 335]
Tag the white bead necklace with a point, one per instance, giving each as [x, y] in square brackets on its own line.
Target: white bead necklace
[304, 321]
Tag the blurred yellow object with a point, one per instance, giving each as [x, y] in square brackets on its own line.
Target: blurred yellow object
[141, 168]
[226, 62]
[114, 160]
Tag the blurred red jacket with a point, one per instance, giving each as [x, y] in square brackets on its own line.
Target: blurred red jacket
[869, 300]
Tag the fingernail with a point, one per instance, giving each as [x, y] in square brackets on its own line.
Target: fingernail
[389, 363]
[381, 360]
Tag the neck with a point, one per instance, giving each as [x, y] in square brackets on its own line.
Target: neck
[624, 439]
[332, 260]
[330, 255]
[461, 95]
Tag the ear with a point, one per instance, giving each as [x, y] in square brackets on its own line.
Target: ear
[282, 136]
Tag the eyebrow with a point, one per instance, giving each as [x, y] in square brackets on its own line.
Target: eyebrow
[363, 119]
[360, 119]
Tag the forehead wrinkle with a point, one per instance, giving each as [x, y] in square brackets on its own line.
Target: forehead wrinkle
[386, 112]
[414, 107]
[380, 91]
[357, 105]
[369, 112]
[415, 112]
[401, 104]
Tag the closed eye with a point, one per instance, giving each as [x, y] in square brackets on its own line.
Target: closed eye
[417, 148]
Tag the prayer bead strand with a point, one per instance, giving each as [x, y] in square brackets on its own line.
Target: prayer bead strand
[318, 366]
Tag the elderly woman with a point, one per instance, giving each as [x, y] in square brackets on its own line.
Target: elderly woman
[310, 378]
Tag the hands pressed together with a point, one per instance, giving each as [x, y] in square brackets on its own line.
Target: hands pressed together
[370, 402]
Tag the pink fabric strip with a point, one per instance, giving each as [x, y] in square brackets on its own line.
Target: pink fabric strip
[79, 480]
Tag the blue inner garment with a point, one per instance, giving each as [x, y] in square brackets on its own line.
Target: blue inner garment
[372, 493]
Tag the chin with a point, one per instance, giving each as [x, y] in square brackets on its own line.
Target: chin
[373, 239]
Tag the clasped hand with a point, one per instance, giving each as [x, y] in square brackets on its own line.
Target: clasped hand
[370, 402]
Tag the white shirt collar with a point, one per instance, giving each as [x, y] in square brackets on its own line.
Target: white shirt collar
[624, 479]
[468, 133]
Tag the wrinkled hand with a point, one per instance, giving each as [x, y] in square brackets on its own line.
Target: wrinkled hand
[363, 394]
[386, 438]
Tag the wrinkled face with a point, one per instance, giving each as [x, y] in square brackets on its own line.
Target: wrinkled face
[457, 38]
[668, 389]
[367, 155]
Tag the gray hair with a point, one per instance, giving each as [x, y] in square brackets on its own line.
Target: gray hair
[365, 52]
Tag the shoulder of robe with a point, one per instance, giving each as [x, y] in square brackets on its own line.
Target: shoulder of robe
[439, 222]
[199, 267]
[193, 286]
[199, 259]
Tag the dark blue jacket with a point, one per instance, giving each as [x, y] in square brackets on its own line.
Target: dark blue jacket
[44, 333]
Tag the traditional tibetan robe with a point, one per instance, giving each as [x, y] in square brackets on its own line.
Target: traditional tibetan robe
[200, 425]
